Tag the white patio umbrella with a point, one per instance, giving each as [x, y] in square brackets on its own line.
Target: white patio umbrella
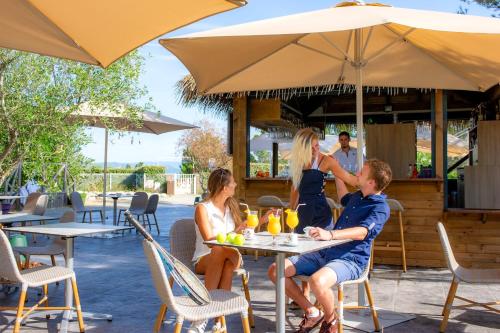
[148, 122]
[96, 31]
[352, 43]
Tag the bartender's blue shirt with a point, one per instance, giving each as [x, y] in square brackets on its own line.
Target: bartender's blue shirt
[370, 212]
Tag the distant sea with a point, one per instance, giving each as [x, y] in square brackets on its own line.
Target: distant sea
[171, 166]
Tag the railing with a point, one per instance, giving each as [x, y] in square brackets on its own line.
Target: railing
[166, 183]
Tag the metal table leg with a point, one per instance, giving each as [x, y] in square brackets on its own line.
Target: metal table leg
[280, 293]
[115, 208]
[68, 293]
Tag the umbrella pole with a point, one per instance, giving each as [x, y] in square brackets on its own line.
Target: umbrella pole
[105, 173]
[358, 40]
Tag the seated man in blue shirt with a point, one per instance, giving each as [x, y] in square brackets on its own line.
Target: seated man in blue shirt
[364, 216]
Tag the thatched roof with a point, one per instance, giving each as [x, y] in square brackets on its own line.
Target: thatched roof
[189, 95]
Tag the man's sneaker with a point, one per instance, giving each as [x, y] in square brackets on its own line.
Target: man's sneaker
[329, 327]
[308, 324]
[198, 326]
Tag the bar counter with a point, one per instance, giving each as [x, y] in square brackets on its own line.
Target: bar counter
[475, 239]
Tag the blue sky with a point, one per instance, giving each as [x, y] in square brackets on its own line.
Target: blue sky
[162, 70]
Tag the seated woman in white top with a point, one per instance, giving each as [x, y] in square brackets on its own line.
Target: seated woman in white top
[220, 212]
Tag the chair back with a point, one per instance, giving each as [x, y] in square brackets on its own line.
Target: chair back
[159, 276]
[8, 265]
[183, 241]
[41, 204]
[395, 205]
[269, 201]
[77, 202]
[448, 252]
[68, 216]
[333, 204]
[31, 201]
[152, 204]
[139, 201]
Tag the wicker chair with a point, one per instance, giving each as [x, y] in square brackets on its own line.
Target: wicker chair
[31, 200]
[461, 274]
[151, 210]
[35, 277]
[55, 247]
[265, 202]
[335, 207]
[341, 307]
[222, 302]
[79, 207]
[397, 208]
[182, 246]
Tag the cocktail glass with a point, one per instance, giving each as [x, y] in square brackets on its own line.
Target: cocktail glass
[274, 226]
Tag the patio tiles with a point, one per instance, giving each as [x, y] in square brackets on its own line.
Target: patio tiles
[114, 278]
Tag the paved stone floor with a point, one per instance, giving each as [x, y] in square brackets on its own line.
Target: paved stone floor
[113, 277]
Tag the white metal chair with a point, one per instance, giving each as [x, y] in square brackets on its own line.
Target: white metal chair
[35, 277]
[341, 307]
[222, 302]
[397, 208]
[461, 274]
[182, 246]
[79, 207]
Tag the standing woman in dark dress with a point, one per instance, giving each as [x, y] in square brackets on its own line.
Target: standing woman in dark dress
[309, 168]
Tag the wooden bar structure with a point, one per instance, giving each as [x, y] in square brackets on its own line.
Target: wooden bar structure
[475, 235]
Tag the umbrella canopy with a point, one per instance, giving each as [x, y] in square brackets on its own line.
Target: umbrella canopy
[93, 31]
[352, 43]
[103, 117]
[399, 48]
[148, 122]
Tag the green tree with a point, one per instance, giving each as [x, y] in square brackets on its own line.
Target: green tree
[493, 5]
[37, 97]
[202, 147]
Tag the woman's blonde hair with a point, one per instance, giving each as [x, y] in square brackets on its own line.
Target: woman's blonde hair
[216, 181]
[301, 153]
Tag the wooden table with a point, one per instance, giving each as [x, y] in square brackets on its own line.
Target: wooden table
[70, 231]
[263, 241]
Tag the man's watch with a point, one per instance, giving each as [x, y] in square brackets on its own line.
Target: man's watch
[331, 234]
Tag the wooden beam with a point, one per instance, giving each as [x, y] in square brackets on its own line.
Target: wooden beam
[275, 159]
[240, 120]
[439, 130]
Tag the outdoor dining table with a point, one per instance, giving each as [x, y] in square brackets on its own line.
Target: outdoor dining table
[115, 197]
[70, 231]
[24, 217]
[264, 241]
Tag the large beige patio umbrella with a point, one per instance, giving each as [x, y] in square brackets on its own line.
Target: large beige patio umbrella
[96, 31]
[352, 43]
[119, 119]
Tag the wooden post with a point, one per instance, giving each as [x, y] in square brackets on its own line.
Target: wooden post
[439, 131]
[240, 126]
[275, 159]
